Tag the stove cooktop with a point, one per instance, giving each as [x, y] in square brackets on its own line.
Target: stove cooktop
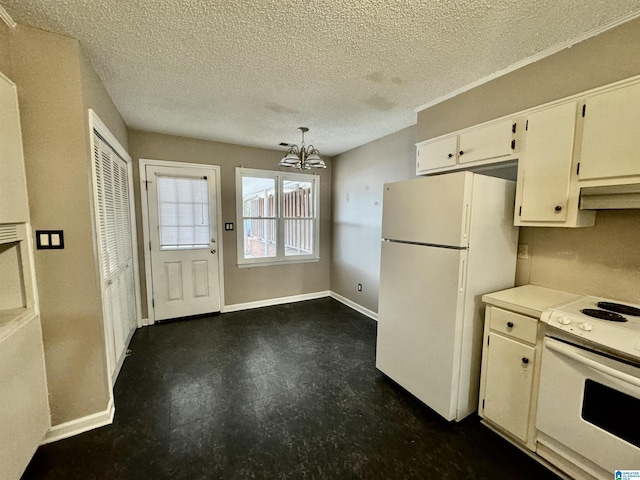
[613, 326]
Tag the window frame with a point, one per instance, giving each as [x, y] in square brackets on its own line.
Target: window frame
[279, 179]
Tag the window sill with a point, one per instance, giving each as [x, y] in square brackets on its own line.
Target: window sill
[280, 262]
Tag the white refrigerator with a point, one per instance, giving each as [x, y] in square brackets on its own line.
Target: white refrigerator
[447, 240]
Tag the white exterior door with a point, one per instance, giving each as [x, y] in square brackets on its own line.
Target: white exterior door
[182, 214]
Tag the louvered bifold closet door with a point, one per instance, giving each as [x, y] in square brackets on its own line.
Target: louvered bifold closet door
[116, 249]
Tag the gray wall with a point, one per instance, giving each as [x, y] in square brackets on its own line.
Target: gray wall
[241, 285]
[601, 260]
[358, 176]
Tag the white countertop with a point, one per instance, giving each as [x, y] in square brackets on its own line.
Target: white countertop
[529, 300]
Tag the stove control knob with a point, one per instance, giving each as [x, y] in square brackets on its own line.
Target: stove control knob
[586, 326]
[564, 320]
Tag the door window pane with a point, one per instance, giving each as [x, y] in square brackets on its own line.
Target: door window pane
[183, 207]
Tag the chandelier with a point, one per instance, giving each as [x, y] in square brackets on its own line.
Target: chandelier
[303, 157]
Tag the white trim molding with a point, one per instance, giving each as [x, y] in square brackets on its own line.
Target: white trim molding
[274, 301]
[6, 18]
[358, 308]
[80, 425]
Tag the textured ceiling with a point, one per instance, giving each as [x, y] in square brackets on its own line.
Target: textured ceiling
[251, 72]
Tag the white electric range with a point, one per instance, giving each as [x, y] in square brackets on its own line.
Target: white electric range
[589, 395]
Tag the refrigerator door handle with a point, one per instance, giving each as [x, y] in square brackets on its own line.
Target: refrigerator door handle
[467, 220]
[463, 274]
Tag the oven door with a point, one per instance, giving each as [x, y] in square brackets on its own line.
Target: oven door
[588, 409]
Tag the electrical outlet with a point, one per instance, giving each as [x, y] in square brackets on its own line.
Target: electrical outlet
[523, 251]
[359, 287]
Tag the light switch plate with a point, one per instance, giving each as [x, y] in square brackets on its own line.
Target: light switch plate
[49, 240]
[228, 226]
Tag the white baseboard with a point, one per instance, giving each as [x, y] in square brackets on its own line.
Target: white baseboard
[274, 301]
[355, 306]
[80, 425]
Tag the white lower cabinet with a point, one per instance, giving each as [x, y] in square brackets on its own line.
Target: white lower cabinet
[510, 368]
[507, 394]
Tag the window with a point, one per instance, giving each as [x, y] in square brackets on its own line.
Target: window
[183, 207]
[277, 217]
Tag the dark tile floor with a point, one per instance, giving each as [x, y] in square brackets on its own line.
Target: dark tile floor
[288, 391]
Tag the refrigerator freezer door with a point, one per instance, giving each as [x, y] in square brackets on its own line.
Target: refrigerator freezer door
[420, 318]
[432, 210]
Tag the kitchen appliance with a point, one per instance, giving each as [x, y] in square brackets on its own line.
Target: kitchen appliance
[589, 396]
[447, 239]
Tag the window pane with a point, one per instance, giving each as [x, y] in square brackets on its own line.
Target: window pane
[259, 238]
[258, 197]
[297, 199]
[183, 207]
[298, 237]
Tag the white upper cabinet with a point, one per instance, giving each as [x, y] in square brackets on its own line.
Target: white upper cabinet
[13, 186]
[492, 142]
[438, 154]
[611, 139]
[547, 190]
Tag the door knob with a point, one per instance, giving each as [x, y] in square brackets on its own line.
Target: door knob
[213, 250]
[525, 360]
[213, 240]
[558, 208]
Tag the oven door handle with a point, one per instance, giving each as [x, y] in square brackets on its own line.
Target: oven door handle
[569, 352]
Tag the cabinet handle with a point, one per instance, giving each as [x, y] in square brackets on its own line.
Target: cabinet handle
[510, 324]
[525, 360]
[461, 152]
[450, 155]
[558, 208]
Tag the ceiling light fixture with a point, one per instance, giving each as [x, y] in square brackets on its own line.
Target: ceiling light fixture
[303, 157]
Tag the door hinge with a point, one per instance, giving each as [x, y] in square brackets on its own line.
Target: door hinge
[513, 144]
[483, 403]
[584, 110]
[526, 126]
[153, 303]
[149, 244]
[578, 169]
[513, 128]
[488, 340]
[520, 211]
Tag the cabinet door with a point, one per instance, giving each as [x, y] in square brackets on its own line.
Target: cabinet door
[611, 144]
[13, 187]
[438, 154]
[545, 181]
[491, 141]
[509, 381]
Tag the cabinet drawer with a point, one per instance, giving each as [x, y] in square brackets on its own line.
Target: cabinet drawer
[514, 325]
